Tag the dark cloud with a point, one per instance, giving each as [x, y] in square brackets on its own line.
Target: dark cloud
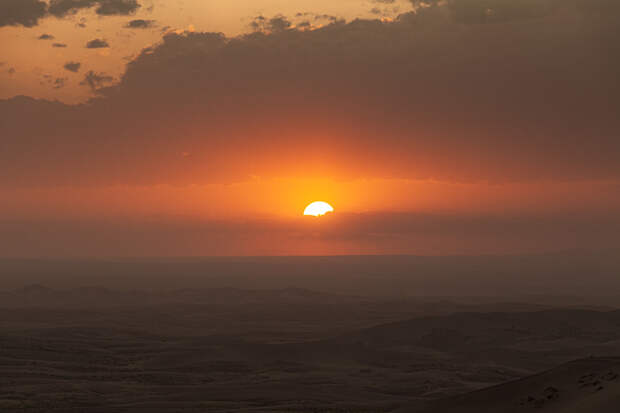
[62, 8]
[59, 45]
[278, 24]
[97, 44]
[59, 82]
[140, 24]
[366, 233]
[117, 7]
[28, 12]
[96, 81]
[601, 7]
[21, 12]
[425, 96]
[46, 36]
[56, 83]
[496, 11]
[327, 17]
[11, 71]
[275, 24]
[489, 11]
[72, 66]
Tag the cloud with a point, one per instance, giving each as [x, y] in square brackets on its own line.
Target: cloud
[601, 7]
[59, 82]
[72, 66]
[21, 12]
[489, 11]
[62, 8]
[60, 45]
[27, 13]
[117, 7]
[46, 36]
[427, 96]
[364, 233]
[140, 24]
[275, 24]
[96, 80]
[97, 44]
[494, 11]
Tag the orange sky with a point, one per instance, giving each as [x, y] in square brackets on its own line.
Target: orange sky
[32, 58]
[431, 127]
[263, 217]
[286, 198]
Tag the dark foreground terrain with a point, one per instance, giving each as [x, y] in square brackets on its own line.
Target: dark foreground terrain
[285, 350]
[222, 349]
[586, 385]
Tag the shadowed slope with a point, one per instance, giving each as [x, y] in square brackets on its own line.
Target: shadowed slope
[581, 386]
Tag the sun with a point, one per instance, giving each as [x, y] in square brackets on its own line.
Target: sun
[318, 208]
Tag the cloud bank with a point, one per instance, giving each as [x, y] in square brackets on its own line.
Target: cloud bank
[27, 13]
[467, 90]
[366, 233]
[21, 12]
[62, 8]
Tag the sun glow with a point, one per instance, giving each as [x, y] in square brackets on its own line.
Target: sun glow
[318, 208]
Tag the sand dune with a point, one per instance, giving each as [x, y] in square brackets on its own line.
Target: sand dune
[223, 350]
[581, 386]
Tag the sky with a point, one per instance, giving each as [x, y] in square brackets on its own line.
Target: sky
[195, 127]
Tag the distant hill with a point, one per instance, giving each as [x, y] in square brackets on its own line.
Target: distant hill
[579, 277]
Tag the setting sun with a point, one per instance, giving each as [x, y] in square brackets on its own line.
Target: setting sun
[318, 208]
